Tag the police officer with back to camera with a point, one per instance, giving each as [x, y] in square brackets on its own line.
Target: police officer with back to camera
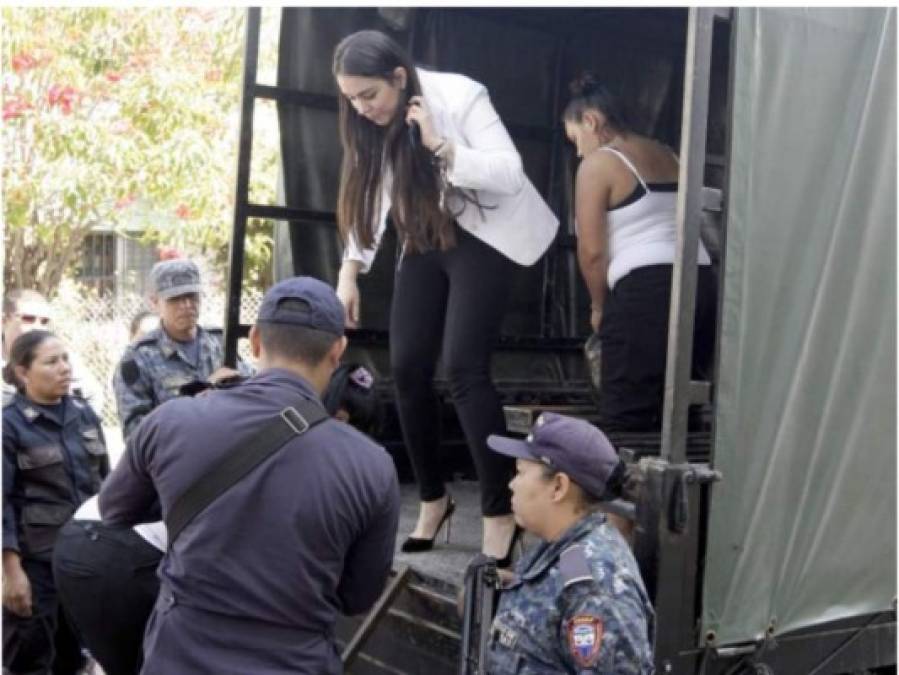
[155, 367]
[577, 603]
[254, 582]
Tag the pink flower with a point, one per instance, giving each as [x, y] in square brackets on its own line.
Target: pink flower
[183, 212]
[113, 76]
[64, 97]
[15, 108]
[124, 202]
[23, 61]
[169, 253]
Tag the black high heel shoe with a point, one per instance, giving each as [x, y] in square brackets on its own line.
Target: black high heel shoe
[420, 544]
[506, 560]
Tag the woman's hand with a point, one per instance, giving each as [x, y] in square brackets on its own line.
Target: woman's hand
[16, 587]
[348, 293]
[595, 318]
[418, 112]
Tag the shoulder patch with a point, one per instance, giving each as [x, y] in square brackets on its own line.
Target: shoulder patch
[585, 639]
[130, 371]
[574, 566]
[147, 338]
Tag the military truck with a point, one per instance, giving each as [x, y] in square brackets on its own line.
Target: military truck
[768, 538]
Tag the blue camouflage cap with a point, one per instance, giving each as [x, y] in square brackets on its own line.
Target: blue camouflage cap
[171, 278]
[303, 301]
[569, 445]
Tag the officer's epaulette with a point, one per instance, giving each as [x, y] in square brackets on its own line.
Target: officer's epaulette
[574, 566]
[147, 339]
[9, 397]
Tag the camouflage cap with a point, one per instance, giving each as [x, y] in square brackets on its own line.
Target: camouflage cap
[171, 278]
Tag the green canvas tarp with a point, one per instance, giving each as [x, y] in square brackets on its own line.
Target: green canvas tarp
[803, 526]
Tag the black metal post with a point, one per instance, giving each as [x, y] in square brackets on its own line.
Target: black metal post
[689, 207]
[242, 190]
[554, 199]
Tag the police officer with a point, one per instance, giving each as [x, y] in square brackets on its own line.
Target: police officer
[106, 575]
[254, 582]
[54, 458]
[577, 603]
[154, 367]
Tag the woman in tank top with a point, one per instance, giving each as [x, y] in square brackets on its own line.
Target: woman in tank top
[625, 203]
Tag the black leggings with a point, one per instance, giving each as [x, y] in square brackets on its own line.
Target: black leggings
[634, 343]
[455, 298]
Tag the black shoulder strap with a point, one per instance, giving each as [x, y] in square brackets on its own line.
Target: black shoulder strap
[266, 441]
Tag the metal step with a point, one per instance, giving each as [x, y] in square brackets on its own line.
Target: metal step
[418, 634]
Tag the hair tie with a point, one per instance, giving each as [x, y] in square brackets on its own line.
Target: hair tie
[585, 85]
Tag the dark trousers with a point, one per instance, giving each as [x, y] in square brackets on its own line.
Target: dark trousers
[451, 304]
[44, 642]
[107, 583]
[634, 342]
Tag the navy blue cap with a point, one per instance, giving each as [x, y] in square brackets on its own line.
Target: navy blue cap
[315, 305]
[569, 445]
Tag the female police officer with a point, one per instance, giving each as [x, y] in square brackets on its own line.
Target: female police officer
[577, 603]
[54, 458]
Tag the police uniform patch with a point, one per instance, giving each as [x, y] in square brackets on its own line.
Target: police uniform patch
[130, 372]
[585, 639]
[503, 634]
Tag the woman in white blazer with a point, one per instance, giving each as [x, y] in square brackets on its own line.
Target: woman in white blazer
[428, 149]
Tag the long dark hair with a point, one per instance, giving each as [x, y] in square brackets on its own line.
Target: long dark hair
[22, 353]
[588, 94]
[368, 149]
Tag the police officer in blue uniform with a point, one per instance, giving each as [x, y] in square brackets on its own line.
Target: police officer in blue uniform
[577, 603]
[54, 458]
[255, 581]
[157, 365]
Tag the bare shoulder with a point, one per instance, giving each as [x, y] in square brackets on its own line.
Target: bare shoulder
[654, 160]
[597, 165]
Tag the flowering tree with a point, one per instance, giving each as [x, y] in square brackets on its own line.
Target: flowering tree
[104, 108]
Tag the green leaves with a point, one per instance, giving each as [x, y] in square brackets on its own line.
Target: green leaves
[105, 106]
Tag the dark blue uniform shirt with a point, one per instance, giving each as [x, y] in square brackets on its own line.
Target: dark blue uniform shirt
[51, 464]
[255, 582]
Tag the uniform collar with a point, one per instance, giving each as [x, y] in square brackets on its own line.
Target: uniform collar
[170, 347]
[547, 553]
[31, 411]
[287, 378]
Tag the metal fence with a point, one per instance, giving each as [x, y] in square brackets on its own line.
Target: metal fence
[95, 329]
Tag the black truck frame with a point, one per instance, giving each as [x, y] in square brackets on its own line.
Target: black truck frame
[672, 509]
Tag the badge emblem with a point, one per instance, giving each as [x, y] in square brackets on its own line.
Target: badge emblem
[362, 377]
[585, 639]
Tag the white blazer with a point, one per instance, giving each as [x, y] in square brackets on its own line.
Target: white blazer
[520, 225]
